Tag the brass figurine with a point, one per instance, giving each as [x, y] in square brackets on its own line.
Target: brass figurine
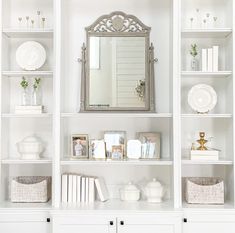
[202, 141]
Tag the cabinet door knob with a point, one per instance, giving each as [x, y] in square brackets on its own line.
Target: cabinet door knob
[111, 223]
[185, 220]
[48, 220]
[122, 223]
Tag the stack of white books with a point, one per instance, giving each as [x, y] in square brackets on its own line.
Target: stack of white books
[205, 155]
[77, 188]
[28, 109]
[210, 59]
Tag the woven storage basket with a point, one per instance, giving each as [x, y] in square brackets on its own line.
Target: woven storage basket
[31, 189]
[204, 190]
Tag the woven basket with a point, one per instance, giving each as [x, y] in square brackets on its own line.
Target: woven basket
[31, 189]
[204, 190]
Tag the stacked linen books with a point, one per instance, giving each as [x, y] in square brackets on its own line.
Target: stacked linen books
[29, 109]
[205, 155]
[77, 188]
[210, 59]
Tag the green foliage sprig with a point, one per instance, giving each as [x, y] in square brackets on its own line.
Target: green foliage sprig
[24, 83]
[193, 50]
[37, 82]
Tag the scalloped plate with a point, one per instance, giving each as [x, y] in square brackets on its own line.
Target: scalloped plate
[202, 98]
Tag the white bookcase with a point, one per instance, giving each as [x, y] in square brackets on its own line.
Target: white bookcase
[61, 75]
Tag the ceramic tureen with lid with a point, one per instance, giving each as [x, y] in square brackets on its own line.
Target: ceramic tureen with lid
[130, 193]
[154, 191]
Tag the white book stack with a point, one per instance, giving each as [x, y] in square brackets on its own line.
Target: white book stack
[204, 155]
[77, 188]
[28, 109]
[210, 59]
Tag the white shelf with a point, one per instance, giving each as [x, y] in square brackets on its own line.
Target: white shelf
[117, 205]
[219, 162]
[226, 206]
[201, 74]
[28, 33]
[21, 161]
[27, 73]
[35, 206]
[117, 162]
[13, 115]
[117, 115]
[206, 115]
[206, 33]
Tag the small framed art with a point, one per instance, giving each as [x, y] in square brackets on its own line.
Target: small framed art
[79, 146]
[97, 149]
[150, 145]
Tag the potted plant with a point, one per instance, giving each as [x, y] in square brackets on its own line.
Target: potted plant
[24, 95]
[37, 92]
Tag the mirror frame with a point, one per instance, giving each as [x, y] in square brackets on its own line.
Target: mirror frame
[118, 24]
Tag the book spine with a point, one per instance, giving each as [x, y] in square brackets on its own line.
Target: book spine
[204, 60]
[87, 190]
[64, 188]
[70, 189]
[215, 58]
[83, 190]
[74, 189]
[78, 189]
[91, 190]
[210, 60]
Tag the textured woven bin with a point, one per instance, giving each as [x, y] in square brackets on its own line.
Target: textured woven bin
[31, 189]
[204, 190]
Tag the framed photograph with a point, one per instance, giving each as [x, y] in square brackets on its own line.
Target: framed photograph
[115, 144]
[150, 145]
[79, 146]
[97, 149]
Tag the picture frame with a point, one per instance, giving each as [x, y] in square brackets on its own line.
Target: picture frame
[79, 146]
[115, 144]
[97, 149]
[150, 145]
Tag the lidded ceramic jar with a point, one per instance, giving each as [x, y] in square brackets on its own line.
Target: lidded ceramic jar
[154, 191]
[30, 148]
[130, 192]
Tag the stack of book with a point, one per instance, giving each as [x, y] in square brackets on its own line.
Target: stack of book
[28, 109]
[77, 188]
[210, 59]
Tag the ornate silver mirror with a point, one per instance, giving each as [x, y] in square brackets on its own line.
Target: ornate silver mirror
[117, 65]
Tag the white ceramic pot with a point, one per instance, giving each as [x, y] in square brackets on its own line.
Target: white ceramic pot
[30, 148]
[129, 193]
[154, 191]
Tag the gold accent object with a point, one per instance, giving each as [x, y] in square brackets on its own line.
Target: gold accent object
[202, 141]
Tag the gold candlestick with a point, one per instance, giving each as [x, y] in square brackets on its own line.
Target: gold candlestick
[202, 141]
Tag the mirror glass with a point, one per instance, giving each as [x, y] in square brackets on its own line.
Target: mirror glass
[117, 72]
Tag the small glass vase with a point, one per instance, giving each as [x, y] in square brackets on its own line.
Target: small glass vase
[25, 100]
[194, 64]
[37, 97]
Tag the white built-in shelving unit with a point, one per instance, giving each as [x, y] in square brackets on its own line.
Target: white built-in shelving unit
[61, 76]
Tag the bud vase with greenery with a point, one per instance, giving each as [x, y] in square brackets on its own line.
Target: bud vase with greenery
[194, 60]
[25, 100]
[37, 92]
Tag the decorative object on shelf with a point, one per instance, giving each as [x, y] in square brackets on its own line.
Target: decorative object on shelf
[215, 21]
[43, 22]
[134, 149]
[130, 192]
[97, 149]
[29, 109]
[204, 23]
[208, 21]
[191, 22]
[194, 61]
[39, 19]
[37, 93]
[202, 152]
[30, 55]
[120, 30]
[30, 148]
[25, 100]
[27, 21]
[204, 190]
[198, 18]
[210, 59]
[79, 146]
[202, 98]
[154, 191]
[20, 22]
[32, 23]
[30, 189]
[151, 143]
[115, 144]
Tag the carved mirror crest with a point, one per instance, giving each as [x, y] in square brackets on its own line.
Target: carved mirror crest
[117, 65]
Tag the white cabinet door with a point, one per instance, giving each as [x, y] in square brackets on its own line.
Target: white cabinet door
[211, 222]
[24, 223]
[83, 224]
[149, 223]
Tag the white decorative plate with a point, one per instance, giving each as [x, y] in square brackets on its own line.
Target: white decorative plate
[202, 98]
[31, 55]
